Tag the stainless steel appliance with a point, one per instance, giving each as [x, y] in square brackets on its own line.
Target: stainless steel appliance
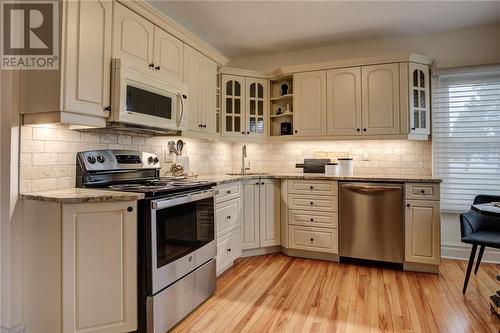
[142, 98]
[371, 224]
[177, 246]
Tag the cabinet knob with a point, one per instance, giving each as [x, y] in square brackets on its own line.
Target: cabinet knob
[107, 108]
[228, 192]
[408, 205]
[312, 239]
[312, 220]
[205, 126]
[243, 132]
[157, 68]
[151, 65]
[364, 129]
[200, 125]
[311, 187]
[358, 129]
[248, 132]
[229, 250]
[413, 128]
[262, 183]
[129, 209]
[257, 183]
[311, 203]
[228, 217]
[295, 131]
[422, 191]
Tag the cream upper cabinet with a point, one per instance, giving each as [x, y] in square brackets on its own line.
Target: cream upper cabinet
[343, 101]
[88, 65]
[419, 98]
[200, 74]
[133, 36]
[309, 103]
[380, 99]
[422, 232]
[233, 105]
[168, 54]
[256, 107]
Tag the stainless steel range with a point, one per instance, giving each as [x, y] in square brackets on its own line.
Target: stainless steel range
[177, 246]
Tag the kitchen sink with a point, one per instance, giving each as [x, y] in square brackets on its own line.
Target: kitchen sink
[246, 173]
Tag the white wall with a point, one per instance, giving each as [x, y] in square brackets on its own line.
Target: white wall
[463, 47]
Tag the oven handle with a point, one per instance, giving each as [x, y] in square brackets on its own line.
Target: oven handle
[179, 121]
[182, 199]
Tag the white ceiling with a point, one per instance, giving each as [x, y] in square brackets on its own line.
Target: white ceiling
[247, 28]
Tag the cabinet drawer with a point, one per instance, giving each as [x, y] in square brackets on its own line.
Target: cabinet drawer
[228, 249]
[313, 202]
[422, 191]
[313, 219]
[321, 187]
[227, 215]
[314, 239]
[228, 192]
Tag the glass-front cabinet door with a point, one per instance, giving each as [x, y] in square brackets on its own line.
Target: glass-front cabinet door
[233, 105]
[419, 95]
[256, 107]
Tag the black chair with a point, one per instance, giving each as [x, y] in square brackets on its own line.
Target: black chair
[478, 229]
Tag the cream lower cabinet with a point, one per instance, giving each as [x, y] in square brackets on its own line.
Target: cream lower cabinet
[80, 267]
[309, 104]
[228, 215]
[422, 232]
[261, 213]
[312, 221]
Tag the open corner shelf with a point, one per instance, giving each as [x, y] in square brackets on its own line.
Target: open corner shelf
[278, 98]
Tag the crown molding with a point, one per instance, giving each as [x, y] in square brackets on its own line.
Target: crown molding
[176, 30]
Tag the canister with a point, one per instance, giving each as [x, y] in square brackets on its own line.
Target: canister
[346, 166]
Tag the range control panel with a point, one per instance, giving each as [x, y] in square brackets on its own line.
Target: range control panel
[98, 160]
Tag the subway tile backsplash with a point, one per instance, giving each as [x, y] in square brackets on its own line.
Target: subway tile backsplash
[48, 154]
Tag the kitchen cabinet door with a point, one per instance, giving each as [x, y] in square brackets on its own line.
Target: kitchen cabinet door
[88, 57]
[309, 103]
[269, 206]
[133, 36]
[168, 54]
[99, 260]
[193, 68]
[233, 105]
[343, 101]
[419, 99]
[251, 215]
[380, 99]
[422, 232]
[208, 95]
[256, 107]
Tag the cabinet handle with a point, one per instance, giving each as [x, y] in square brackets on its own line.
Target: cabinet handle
[228, 217]
[408, 205]
[312, 239]
[229, 250]
[129, 209]
[107, 108]
[157, 68]
[311, 203]
[151, 65]
[413, 128]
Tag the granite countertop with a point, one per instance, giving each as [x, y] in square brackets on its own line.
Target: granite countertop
[224, 178]
[81, 195]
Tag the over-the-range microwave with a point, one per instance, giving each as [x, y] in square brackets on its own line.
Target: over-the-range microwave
[143, 98]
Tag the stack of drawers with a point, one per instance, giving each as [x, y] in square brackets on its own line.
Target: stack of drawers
[228, 215]
[313, 215]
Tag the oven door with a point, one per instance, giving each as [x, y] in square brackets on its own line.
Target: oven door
[182, 236]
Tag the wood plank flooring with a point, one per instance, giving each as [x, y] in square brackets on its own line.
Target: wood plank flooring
[276, 293]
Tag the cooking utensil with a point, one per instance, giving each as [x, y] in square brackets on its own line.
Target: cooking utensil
[180, 145]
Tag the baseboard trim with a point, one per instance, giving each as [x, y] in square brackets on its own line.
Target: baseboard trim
[16, 329]
[462, 251]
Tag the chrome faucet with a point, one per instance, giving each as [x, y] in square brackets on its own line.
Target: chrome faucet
[243, 155]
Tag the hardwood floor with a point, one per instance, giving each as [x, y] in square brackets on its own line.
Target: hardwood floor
[276, 293]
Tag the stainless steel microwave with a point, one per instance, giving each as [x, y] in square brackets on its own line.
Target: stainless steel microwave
[143, 98]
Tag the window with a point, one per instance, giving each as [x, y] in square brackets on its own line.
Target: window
[466, 134]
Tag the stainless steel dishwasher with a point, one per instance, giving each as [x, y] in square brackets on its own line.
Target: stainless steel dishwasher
[371, 224]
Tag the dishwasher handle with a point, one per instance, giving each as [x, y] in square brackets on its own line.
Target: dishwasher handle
[368, 188]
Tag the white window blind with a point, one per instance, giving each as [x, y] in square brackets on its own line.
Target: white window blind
[466, 135]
